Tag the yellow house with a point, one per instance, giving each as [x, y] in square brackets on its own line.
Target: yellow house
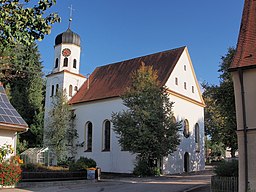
[243, 69]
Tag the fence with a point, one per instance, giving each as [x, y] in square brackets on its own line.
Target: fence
[224, 184]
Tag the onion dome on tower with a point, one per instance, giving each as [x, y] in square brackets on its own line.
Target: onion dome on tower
[68, 37]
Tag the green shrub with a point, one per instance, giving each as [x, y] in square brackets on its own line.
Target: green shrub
[142, 168]
[227, 169]
[82, 163]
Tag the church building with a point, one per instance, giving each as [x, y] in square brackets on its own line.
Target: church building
[96, 97]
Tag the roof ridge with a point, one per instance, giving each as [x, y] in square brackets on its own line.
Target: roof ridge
[151, 54]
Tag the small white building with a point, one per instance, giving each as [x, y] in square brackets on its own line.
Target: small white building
[96, 98]
[11, 123]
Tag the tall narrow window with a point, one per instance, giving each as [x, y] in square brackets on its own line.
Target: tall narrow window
[65, 63]
[52, 93]
[88, 136]
[106, 136]
[185, 85]
[176, 81]
[56, 63]
[197, 137]
[70, 91]
[193, 89]
[57, 88]
[74, 63]
[186, 132]
[185, 68]
[76, 89]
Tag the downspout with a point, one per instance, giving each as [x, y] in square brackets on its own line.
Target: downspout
[241, 78]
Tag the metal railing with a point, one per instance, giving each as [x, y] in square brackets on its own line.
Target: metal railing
[224, 184]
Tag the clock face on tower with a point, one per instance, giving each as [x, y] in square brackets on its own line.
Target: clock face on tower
[66, 52]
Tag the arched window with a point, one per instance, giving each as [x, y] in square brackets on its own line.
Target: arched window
[70, 91]
[52, 92]
[106, 136]
[65, 63]
[57, 88]
[197, 137]
[88, 136]
[186, 132]
[76, 89]
[74, 63]
[56, 63]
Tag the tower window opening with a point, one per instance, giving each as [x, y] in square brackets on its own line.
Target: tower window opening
[65, 63]
[56, 63]
[70, 91]
[76, 89]
[57, 88]
[52, 90]
[74, 63]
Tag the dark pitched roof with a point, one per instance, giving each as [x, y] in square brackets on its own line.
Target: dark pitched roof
[9, 117]
[246, 47]
[68, 37]
[112, 80]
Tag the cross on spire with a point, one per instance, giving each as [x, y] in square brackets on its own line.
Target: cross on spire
[70, 15]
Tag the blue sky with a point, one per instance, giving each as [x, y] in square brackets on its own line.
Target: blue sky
[116, 30]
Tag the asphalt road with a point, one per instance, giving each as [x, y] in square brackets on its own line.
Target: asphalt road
[198, 182]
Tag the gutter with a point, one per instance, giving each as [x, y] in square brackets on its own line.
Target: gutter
[241, 78]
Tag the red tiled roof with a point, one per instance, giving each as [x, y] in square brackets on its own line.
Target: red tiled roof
[246, 46]
[112, 80]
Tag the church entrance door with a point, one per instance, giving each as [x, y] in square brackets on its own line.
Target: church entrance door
[186, 162]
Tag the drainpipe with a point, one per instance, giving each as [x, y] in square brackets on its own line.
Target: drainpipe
[241, 78]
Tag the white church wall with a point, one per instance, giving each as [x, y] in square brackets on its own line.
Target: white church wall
[121, 161]
[114, 160]
[194, 114]
[184, 73]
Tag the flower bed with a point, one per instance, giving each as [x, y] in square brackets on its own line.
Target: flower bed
[10, 171]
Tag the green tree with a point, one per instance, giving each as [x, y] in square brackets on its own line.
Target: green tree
[21, 73]
[60, 132]
[220, 114]
[147, 127]
[24, 22]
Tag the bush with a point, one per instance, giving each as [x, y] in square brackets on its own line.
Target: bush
[142, 168]
[10, 173]
[82, 163]
[227, 169]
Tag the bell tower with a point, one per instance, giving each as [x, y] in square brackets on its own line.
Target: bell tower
[67, 52]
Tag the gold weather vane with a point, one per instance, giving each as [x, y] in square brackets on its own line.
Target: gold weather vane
[70, 15]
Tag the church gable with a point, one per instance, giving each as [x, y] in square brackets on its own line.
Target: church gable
[183, 82]
[112, 80]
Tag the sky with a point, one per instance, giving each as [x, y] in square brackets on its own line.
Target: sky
[117, 30]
